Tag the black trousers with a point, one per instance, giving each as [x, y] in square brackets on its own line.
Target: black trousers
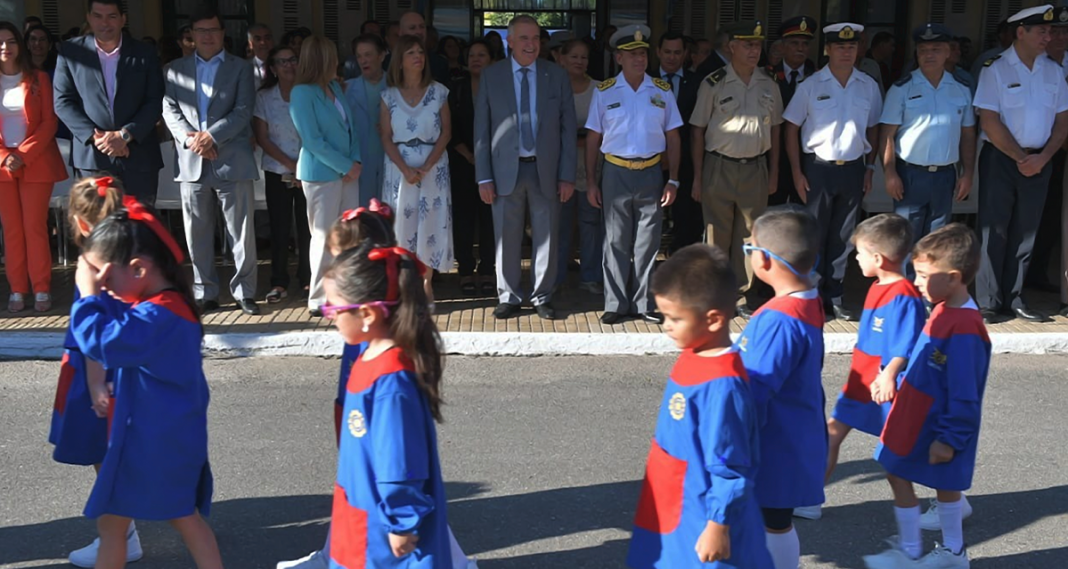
[142, 184]
[1048, 236]
[471, 217]
[1010, 208]
[834, 198]
[283, 205]
[686, 214]
[786, 193]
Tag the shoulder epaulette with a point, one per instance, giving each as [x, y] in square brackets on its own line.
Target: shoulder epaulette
[606, 84]
[716, 76]
[991, 61]
[663, 85]
[904, 80]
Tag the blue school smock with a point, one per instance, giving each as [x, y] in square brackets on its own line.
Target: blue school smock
[701, 468]
[892, 320]
[782, 348]
[79, 436]
[156, 466]
[939, 398]
[389, 474]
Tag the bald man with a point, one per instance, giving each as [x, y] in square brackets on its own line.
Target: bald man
[413, 24]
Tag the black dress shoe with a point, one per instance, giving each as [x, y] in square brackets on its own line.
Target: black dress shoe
[505, 311]
[845, 314]
[315, 312]
[1064, 310]
[248, 306]
[611, 318]
[206, 306]
[546, 311]
[652, 317]
[990, 316]
[743, 311]
[1030, 315]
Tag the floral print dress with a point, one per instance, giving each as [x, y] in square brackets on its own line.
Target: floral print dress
[423, 210]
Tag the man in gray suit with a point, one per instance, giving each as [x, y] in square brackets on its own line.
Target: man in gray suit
[525, 159]
[207, 104]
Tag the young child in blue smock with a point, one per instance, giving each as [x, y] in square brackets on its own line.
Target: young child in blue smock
[782, 348]
[138, 318]
[697, 507]
[932, 432]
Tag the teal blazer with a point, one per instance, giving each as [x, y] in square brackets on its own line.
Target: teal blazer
[327, 147]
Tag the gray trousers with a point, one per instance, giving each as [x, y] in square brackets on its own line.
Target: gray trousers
[632, 218]
[238, 201]
[509, 221]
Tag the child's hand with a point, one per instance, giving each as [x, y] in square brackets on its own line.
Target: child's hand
[940, 452]
[402, 544]
[714, 543]
[883, 388]
[89, 279]
[101, 398]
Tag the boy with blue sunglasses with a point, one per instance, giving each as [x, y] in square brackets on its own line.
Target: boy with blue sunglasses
[782, 349]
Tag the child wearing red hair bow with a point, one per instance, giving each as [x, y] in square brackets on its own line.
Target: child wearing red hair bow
[389, 501]
[137, 317]
[79, 429]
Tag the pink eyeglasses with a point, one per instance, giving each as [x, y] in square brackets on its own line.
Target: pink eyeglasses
[330, 311]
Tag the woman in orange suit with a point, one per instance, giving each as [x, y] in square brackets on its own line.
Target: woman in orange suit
[30, 164]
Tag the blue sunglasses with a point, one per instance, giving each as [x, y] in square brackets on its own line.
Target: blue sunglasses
[748, 249]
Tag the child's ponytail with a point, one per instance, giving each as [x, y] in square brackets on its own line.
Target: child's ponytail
[91, 200]
[373, 223]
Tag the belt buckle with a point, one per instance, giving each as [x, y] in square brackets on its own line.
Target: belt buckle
[743, 160]
[633, 165]
[839, 162]
[932, 168]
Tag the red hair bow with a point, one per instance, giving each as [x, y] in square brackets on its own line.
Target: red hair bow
[393, 256]
[375, 207]
[102, 185]
[137, 212]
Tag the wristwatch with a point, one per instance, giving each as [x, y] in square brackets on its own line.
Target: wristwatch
[125, 134]
[870, 167]
[674, 183]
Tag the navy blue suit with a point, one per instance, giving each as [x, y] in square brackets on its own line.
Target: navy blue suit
[82, 104]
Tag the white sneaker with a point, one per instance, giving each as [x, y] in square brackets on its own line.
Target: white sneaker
[86, 556]
[930, 520]
[943, 558]
[809, 512]
[892, 558]
[314, 560]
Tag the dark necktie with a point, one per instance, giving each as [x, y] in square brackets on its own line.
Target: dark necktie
[793, 78]
[526, 129]
[670, 77]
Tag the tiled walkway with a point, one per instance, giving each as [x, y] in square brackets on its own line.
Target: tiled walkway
[580, 312]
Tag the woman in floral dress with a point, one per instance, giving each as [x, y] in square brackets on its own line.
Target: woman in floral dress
[416, 128]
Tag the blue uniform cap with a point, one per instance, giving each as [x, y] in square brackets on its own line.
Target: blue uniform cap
[931, 33]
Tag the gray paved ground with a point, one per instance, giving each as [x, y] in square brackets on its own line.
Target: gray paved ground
[541, 458]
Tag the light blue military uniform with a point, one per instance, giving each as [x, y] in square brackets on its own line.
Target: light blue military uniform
[927, 142]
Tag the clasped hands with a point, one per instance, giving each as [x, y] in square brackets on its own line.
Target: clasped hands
[202, 143]
[110, 143]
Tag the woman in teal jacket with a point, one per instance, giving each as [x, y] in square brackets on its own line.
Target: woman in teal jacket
[329, 164]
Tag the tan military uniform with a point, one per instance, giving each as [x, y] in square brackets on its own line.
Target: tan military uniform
[738, 119]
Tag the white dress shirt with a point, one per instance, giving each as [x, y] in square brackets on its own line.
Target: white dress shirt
[834, 120]
[1028, 100]
[109, 66]
[633, 123]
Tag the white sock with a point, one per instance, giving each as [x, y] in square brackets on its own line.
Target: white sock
[785, 549]
[950, 514]
[908, 530]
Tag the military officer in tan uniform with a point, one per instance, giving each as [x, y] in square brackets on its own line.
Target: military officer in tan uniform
[735, 126]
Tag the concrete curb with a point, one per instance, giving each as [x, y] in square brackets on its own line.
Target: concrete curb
[48, 345]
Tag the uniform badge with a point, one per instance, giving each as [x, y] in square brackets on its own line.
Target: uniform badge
[847, 33]
[658, 101]
[357, 424]
[877, 324]
[938, 359]
[758, 30]
[1064, 16]
[725, 100]
[743, 343]
[612, 106]
[1048, 16]
[677, 406]
[823, 97]
[804, 25]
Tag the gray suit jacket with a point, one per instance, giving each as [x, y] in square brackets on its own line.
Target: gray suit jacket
[229, 118]
[497, 127]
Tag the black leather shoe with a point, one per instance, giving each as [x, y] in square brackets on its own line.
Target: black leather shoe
[1064, 310]
[652, 317]
[505, 311]
[845, 314]
[546, 311]
[990, 316]
[315, 312]
[248, 306]
[611, 318]
[206, 306]
[1030, 315]
[743, 311]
